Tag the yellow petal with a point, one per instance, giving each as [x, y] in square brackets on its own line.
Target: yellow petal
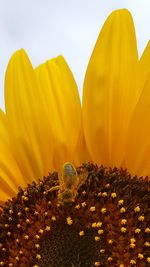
[143, 68]
[137, 158]
[27, 118]
[81, 154]
[108, 94]
[63, 106]
[10, 175]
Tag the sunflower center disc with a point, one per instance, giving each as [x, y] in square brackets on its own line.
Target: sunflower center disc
[65, 247]
[105, 221]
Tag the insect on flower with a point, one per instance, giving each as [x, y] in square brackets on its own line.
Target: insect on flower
[69, 182]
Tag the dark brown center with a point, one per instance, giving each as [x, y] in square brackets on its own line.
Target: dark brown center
[107, 224]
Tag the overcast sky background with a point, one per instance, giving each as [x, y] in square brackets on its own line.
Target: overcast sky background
[47, 28]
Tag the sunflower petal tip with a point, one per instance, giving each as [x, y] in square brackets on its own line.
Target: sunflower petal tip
[19, 52]
[18, 55]
[120, 12]
[58, 58]
[22, 51]
[61, 58]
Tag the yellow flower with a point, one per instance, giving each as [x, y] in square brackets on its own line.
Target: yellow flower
[52, 212]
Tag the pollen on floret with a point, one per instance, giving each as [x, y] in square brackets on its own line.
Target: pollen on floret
[113, 195]
[137, 209]
[147, 244]
[132, 245]
[41, 231]
[81, 233]
[123, 229]
[104, 194]
[36, 236]
[97, 238]
[102, 251]
[97, 263]
[77, 206]
[100, 231]
[140, 256]
[132, 240]
[47, 228]
[120, 202]
[84, 193]
[132, 262]
[69, 221]
[103, 210]
[94, 225]
[122, 210]
[99, 224]
[110, 241]
[141, 218]
[38, 256]
[17, 258]
[92, 208]
[137, 230]
[53, 218]
[123, 221]
[83, 204]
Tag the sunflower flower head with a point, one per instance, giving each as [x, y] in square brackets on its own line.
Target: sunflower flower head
[75, 188]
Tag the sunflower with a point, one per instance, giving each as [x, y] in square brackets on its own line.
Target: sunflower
[75, 187]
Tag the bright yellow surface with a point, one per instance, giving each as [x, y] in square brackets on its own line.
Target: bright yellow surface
[63, 108]
[109, 91]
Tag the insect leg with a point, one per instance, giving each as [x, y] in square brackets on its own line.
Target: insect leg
[54, 188]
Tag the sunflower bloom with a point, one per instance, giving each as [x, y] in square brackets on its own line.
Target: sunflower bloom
[74, 181]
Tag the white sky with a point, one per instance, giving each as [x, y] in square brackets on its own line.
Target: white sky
[46, 28]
